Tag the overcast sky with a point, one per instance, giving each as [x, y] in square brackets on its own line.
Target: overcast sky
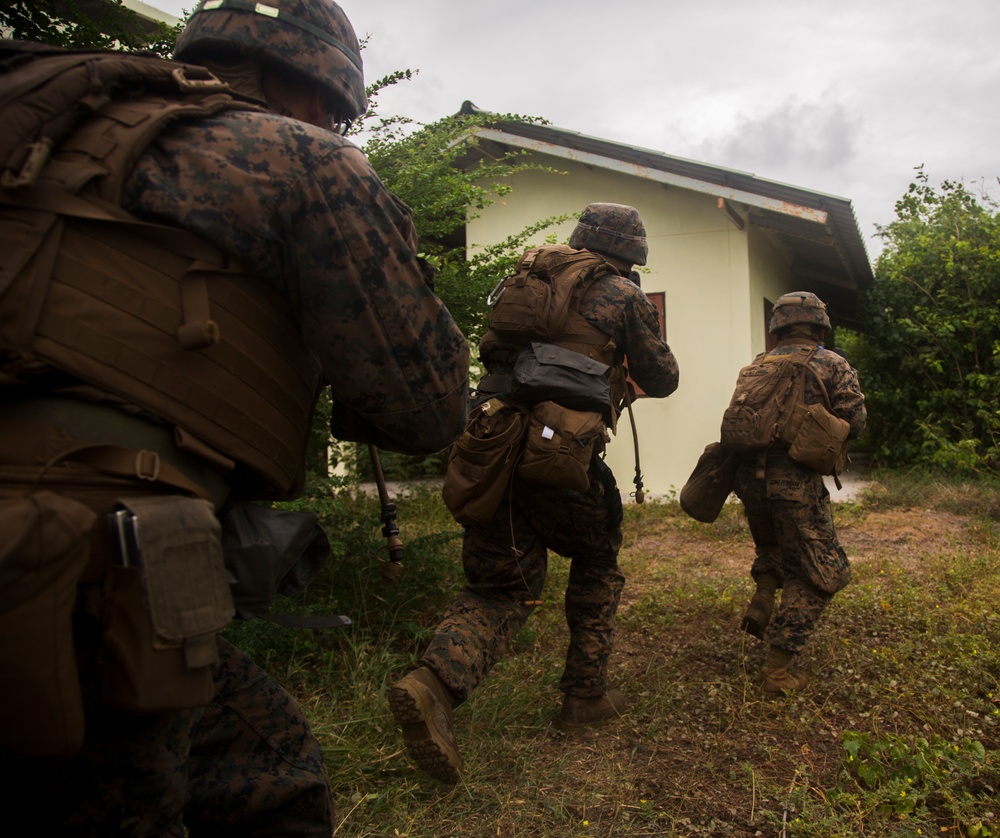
[844, 98]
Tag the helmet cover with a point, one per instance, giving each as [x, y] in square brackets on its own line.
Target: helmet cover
[311, 37]
[798, 307]
[614, 230]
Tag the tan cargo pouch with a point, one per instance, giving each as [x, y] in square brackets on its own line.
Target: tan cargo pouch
[43, 552]
[821, 439]
[481, 463]
[559, 445]
[166, 600]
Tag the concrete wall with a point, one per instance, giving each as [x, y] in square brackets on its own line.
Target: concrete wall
[714, 283]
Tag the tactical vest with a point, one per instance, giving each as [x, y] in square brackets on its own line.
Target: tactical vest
[562, 275]
[151, 314]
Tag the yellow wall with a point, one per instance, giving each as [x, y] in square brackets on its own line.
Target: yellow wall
[714, 283]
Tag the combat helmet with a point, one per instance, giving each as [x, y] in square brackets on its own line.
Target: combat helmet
[614, 230]
[798, 307]
[311, 37]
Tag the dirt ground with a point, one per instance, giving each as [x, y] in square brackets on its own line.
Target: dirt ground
[700, 767]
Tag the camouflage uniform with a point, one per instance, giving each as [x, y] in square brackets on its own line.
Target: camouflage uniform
[302, 207]
[505, 561]
[788, 511]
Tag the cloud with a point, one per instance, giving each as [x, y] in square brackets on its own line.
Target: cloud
[795, 136]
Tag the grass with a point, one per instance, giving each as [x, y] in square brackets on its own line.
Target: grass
[897, 734]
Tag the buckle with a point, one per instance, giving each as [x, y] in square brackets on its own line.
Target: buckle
[147, 465]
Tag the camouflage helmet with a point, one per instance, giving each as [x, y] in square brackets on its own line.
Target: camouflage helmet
[311, 37]
[798, 307]
[615, 230]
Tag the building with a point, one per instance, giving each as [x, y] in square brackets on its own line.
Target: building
[723, 245]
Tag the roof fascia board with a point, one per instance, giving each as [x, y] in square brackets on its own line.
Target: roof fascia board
[588, 158]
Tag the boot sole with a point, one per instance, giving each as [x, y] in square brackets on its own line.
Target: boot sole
[412, 707]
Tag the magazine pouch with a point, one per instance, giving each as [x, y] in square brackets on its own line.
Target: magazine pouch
[820, 441]
[43, 553]
[559, 445]
[166, 599]
[481, 462]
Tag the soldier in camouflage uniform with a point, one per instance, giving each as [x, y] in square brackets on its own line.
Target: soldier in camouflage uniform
[788, 506]
[278, 189]
[505, 560]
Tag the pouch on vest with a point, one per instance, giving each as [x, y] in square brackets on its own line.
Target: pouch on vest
[44, 550]
[166, 599]
[710, 484]
[544, 372]
[481, 462]
[559, 445]
[820, 440]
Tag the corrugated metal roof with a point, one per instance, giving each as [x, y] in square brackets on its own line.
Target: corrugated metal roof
[818, 232]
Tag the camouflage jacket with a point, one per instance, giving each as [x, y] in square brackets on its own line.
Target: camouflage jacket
[619, 308]
[840, 379]
[303, 209]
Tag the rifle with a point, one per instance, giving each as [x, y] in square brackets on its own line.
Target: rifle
[394, 566]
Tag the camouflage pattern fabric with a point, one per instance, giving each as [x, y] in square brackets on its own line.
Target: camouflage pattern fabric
[305, 209]
[506, 564]
[789, 514]
[255, 767]
[505, 561]
[247, 764]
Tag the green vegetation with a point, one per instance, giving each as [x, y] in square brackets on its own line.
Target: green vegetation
[897, 735]
[96, 24]
[930, 356]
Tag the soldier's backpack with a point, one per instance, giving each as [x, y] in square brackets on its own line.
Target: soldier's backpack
[534, 302]
[216, 355]
[768, 407]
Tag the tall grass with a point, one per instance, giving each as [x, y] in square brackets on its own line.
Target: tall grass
[897, 734]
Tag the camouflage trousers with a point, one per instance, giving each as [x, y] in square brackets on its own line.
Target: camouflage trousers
[246, 764]
[506, 563]
[790, 519]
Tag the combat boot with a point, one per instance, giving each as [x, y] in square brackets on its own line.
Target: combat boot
[776, 678]
[758, 615]
[578, 712]
[422, 705]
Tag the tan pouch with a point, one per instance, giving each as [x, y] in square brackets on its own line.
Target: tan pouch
[820, 441]
[167, 598]
[481, 462]
[559, 445]
[710, 484]
[43, 552]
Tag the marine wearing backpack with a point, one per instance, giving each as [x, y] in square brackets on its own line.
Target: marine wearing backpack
[562, 326]
[562, 390]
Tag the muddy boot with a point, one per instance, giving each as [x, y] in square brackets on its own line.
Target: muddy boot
[758, 613]
[580, 712]
[422, 705]
[776, 678]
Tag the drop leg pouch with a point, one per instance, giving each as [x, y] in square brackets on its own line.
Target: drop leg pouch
[44, 551]
[162, 615]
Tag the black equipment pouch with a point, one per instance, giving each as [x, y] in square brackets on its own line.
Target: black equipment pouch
[544, 372]
[166, 600]
[271, 552]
